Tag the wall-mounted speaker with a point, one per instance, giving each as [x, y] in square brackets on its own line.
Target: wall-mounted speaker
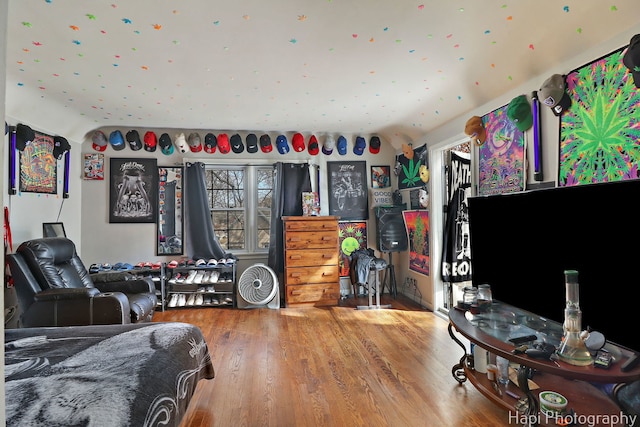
[391, 233]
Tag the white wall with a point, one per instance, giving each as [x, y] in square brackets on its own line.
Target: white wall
[3, 188]
[105, 242]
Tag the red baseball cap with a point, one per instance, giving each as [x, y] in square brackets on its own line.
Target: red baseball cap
[298, 142]
[374, 145]
[265, 143]
[150, 141]
[314, 147]
[99, 141]
[223, 143]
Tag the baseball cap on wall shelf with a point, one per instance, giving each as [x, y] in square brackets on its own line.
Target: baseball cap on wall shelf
[329, 145]
[99, 141]
[282, 144]
[519, 112]
[314, 147]
[210, 143]
[166, 146]
[298, 142]
[553, 95]
[475, 129]
[133, 138]
[342, 145]
[116, 140]
[374, 145]
[252, 143]
[223, 143]
[360, 146]
[60, 146]
[195, 144]
[631, 59]
[265, 143]
[150, 141]
[181, 143]
[236, 143]
[24, 135]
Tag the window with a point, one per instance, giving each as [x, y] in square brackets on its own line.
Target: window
[240, 202]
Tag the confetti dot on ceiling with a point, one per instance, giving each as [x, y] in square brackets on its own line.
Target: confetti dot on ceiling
[613, 8]
[566, 8]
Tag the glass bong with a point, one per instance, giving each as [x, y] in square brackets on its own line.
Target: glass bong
[573, 349]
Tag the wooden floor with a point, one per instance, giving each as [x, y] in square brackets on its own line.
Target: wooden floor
[333, 366]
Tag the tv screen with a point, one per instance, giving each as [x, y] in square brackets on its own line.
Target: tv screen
[521, 244]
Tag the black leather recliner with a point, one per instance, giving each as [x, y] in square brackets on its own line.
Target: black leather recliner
[54, 288]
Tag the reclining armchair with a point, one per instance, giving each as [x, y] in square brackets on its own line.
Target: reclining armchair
[54, 288]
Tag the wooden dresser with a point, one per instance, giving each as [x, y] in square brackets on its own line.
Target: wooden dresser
[311, 253]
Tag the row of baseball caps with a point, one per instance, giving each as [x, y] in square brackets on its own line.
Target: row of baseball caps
[225, 144]
[552, 94]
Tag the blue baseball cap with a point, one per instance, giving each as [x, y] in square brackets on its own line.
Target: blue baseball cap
[116, 140]
[361, 144]
[281, 143]
[342, 145]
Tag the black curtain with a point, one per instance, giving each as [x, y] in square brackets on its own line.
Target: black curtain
[291, 180]
[201, 241]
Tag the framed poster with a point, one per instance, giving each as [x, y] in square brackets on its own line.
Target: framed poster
[380, 176]
[170, 225]
[417, 223]
[347, 183]
[413, 172]
[599, 132]
[133, 190]
[351, 236]
[94, 166]
[502, 156]
[38, 167]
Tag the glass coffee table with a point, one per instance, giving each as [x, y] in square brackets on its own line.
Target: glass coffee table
[492, 329]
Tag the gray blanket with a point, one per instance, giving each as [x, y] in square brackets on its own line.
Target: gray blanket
[112, 375]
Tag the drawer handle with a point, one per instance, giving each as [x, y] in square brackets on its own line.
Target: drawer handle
[328, 256]
[294, 239]
[296, 293]
[295, 274]
[295, 257]
[326, 238]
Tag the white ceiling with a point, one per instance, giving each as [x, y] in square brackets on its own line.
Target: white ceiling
[395, 68]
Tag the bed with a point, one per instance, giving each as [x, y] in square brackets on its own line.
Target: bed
[110, 375]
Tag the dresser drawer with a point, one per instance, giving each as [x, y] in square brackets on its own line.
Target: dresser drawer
[311, 240]
[312, 295]
[311, 225]
[310, 257]
[314, 274]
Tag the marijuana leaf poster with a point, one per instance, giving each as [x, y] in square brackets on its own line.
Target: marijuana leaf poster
[600, 132]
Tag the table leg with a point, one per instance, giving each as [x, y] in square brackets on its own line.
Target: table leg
[466, 360]
[530, 407]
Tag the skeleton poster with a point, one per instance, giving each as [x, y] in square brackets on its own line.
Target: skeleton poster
[456, 256]
[134, 189]
[348, 190]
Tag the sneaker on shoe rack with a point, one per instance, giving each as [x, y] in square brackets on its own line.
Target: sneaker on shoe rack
[190, 277]
[172, 264]
[215, 301]
[206, 275]
[211, 288]
[199, 299]
[198, 277]
[213, 278]
[173, 301]
[192, 299]
[228, 300]
[180, 278]
[182, 300]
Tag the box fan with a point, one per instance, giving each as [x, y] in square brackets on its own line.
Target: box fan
[258, 287]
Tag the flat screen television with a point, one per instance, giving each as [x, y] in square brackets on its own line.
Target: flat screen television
[521, 244]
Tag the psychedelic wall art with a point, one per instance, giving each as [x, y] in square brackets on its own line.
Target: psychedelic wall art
[600, 131]
[38, 166]
[501, 164]
[417, 223]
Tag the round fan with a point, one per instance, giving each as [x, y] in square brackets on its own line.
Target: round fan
[258, 287]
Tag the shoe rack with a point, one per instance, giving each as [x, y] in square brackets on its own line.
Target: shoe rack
[203, 285]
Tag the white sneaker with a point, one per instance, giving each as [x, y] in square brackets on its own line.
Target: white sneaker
[198, 277]
[182, 300]
[190, 278]
[213, 278]
[199, 299]
[206, 275]
[173, 301]
[192, 299]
